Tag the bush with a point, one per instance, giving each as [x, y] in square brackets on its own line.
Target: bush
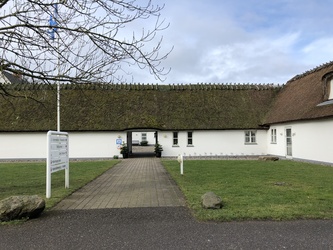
[144, 143]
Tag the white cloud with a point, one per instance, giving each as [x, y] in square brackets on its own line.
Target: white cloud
[319, 49]
[253, 60]
[236, 41]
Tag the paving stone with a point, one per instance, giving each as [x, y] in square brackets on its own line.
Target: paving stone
[137, 182]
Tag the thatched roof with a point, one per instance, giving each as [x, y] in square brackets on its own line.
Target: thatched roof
[299, 98]
[109, 107]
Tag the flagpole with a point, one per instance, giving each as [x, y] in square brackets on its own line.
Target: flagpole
[58, 93]
[58, 86]
[55, 30]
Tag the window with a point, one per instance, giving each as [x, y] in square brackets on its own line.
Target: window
[330, 90]
[143, 136]
[175, 138]
[327, 81]
[289, 142]
[189, 138]
[273, 135]
[250, 137]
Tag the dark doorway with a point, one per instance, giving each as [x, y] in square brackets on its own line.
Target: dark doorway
[142, 143]
[142, 151]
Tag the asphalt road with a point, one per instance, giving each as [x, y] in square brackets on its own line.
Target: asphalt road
[159, 228]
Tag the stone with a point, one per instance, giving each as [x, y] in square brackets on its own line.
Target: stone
[211, 201]
[282, 184]
[23, 206]
[268, 158]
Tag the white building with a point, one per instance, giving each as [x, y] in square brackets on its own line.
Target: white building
[202, 120]
[302, 117]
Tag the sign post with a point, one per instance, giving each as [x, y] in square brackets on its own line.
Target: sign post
[57, 157]
[119, 141]
[181, 160]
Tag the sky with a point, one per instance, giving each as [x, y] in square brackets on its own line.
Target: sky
[242, 41]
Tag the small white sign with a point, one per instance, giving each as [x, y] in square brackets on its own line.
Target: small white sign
[57, 157]
[180, 158]
[58, 151]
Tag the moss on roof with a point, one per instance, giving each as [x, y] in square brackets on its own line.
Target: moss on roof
[299, 98]
[114, 107]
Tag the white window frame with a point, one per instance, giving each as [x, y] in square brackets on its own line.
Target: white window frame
[175, 138]
[289, 143]
[190, 139]
[273, 136]
[250, 137]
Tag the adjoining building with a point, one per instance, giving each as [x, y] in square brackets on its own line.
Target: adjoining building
[8, 78]
[300, 120]
[218, 120]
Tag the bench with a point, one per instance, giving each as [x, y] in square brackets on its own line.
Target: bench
[135, 142]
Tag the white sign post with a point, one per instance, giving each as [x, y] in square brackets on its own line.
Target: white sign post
[57, 157]
[180, 160]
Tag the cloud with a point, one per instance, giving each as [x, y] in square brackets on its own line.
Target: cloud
[243, 41]
[318, 49]
[253, 60]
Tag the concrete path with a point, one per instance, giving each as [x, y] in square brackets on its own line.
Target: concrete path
[139, 182]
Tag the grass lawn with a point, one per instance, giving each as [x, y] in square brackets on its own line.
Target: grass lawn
[30, 179]
[257, 190]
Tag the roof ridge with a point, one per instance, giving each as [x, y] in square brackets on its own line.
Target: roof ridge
[308, 72]
[224, 86]
[139, 86]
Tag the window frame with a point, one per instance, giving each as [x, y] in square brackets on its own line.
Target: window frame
[250, 137]
[175, 139]
[273, 136]
[144, 136]
[330, 89]
[190, 138]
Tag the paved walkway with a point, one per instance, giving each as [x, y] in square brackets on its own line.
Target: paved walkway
[138, 182]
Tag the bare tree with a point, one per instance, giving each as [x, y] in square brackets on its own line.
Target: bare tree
[80, 41]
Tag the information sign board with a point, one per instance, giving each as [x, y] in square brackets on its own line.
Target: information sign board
[57, 157]
[58, 151]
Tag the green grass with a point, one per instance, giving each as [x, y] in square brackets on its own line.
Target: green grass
[257, 190]
[30, 179]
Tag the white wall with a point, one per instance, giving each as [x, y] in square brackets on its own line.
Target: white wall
[213, 143]
[103, 144]
[22, 145]
[311, 140]
[278, 148]
[81, 145]
[94, 144]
